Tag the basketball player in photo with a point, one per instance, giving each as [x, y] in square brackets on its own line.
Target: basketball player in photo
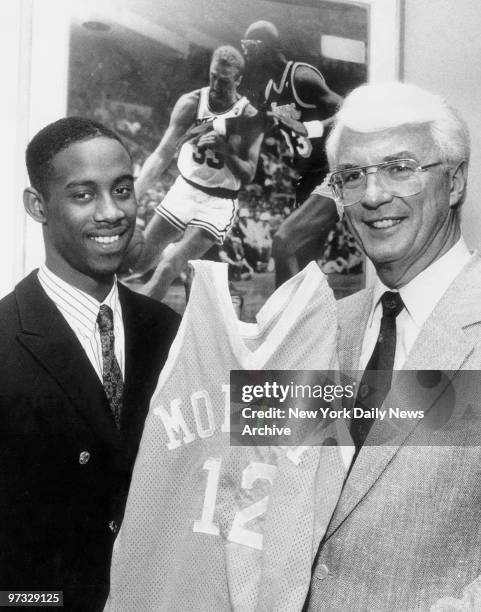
[297, 91]
[214, 159]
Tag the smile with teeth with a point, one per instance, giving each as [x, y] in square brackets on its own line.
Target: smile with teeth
[105, 239]
[383, 223]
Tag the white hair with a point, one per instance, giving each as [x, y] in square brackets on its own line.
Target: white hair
[382, 106]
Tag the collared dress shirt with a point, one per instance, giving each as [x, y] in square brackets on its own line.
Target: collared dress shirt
[420, 297]
[80, 310]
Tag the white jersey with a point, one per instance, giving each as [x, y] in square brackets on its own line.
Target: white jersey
[198, 512]
[204, 166]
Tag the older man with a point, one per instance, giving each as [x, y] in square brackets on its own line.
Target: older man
[405, 534]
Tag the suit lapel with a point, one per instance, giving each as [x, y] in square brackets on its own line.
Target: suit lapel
[137, 328]
[442, 345]
[334, 460]
[49, 338]
[353, 318]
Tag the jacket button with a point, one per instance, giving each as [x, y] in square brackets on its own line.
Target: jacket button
[322, 572]
[363, 391]
[84, 457]
[113, 527]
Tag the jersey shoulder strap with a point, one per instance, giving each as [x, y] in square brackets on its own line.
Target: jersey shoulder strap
[271, 86]
[297, 98]
[241, 105]
[206, 314]
[203, 107]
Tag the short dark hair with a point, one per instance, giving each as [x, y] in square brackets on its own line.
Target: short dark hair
[55, 137]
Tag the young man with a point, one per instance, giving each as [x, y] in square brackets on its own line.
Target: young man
[298, 91]
[213, 163]
[79, 359]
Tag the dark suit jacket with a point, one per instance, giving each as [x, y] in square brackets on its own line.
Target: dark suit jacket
[64, 467]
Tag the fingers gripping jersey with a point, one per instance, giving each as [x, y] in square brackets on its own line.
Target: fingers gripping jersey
[204, 166]
[199, 528]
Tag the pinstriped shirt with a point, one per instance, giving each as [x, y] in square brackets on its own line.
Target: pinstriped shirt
[80, 310]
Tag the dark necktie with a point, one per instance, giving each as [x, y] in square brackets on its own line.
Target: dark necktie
[112, 375]
[377, 377]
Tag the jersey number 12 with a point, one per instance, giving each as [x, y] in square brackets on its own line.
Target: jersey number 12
[238, 533]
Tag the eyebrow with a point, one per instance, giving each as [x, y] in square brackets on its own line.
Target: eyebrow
[401, 155]
[124, 177]
[88, 183]
[387, 158]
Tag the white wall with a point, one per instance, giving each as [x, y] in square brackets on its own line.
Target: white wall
[14, 30]
[34, 52]
[442, 52]
[48, 78]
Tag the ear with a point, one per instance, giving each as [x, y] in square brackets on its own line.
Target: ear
[238, 80]
[459, 178]
[34, 204]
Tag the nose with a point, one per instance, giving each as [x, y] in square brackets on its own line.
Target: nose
[375, 193]
[108, 209]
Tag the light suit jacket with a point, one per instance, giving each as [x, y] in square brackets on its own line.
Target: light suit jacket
[406, 532]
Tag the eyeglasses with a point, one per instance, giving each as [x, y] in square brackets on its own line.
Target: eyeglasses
[400, 177]
[248, 44]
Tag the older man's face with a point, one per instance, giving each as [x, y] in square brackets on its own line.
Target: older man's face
[400, 235]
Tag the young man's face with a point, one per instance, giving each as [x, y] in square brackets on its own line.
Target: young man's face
[89, 210]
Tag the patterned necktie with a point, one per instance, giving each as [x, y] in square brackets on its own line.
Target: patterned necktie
[377, 377]
[112, 375]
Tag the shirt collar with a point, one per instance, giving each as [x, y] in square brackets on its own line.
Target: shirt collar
[86, 306]
[423, 292]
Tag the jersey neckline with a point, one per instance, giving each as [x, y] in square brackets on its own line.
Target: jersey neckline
[216, 113]
[273, 321]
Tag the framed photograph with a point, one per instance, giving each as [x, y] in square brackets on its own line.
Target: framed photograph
[126, 62]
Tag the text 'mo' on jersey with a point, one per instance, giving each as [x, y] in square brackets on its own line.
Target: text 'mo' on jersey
[308, 153]
[211, 527]
[202, 165]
